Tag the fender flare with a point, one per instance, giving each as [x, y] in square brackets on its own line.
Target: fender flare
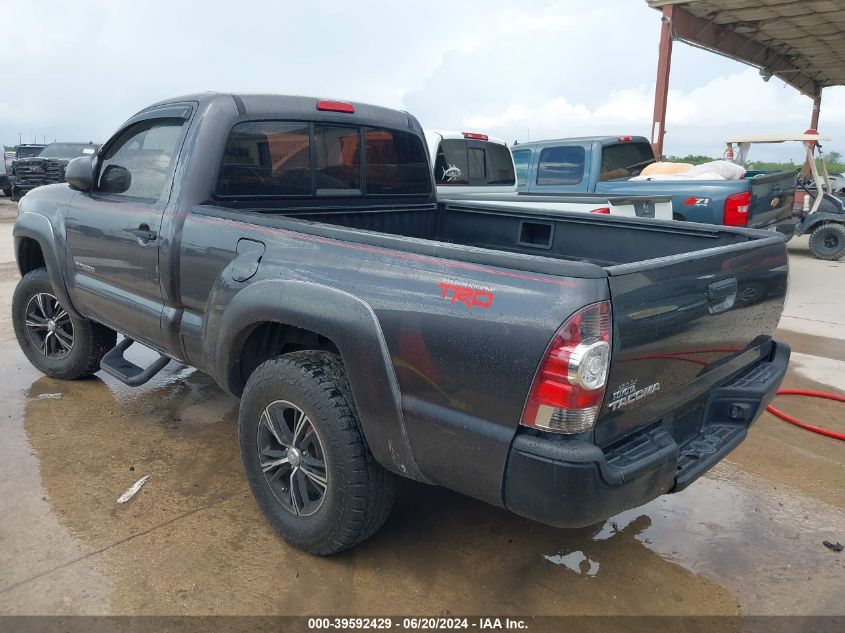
[353, 327]
[814, 220]
[38, 227]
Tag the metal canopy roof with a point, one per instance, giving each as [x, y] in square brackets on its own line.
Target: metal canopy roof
[801, 42]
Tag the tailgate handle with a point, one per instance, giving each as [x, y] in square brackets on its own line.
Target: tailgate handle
[721, 295]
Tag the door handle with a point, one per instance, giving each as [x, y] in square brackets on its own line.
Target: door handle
[143, 233]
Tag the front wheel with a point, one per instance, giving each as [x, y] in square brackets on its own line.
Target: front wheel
[828, 242]
[54, 341]
[305, 455]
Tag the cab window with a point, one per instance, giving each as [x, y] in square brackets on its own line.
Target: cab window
[521, 159]
[274, 159]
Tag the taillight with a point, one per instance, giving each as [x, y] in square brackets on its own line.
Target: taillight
[475, 136]
[602, 210]
[569, 385]
[335, 106]
[624, 139]
[736, 209]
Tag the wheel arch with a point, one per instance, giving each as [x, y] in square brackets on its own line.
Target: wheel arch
[815, 220]
[35, 247]
[300, 314]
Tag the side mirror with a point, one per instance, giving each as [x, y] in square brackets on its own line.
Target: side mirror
[79, 173]
[115, 179]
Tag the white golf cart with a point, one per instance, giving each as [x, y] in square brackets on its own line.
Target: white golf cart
[824, 219]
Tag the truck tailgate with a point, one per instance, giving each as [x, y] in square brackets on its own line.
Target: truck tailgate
[772, 196]
[683, 324]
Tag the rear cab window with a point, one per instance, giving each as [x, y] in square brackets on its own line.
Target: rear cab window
[473, 163]
[624, 160]
[274, 159]
[561, 165]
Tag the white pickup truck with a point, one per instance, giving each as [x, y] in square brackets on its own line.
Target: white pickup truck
[474, 167]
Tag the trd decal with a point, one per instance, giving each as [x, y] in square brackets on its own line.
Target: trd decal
[471, 297]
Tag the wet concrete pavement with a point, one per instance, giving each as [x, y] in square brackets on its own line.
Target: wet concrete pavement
[745, 539]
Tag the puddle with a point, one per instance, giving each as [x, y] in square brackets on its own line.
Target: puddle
[575, 561]
[196, 543]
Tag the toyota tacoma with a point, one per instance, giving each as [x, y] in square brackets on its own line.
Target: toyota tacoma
[564, 366]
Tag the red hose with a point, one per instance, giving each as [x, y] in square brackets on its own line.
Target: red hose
[804, 425]
[783, 392]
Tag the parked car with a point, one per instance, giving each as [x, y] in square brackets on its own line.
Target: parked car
[5, 185]
[604, 164]
[472, 166]
[28, 150]
[46, 167]
[21, 151]
[294, 249]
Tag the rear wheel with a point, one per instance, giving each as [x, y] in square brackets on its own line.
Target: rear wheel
[305, 455]
[828, 242]
[54, 341]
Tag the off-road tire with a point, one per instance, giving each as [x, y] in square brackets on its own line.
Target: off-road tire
[90, 340]
[359, 492]
[828, 242]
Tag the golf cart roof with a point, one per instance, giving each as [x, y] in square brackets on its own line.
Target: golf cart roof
[776, 138]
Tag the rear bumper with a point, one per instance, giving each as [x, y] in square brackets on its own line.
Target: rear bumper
[574, 483]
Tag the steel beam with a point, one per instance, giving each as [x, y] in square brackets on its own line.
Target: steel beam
[723, 40]
[661, 90]
[817, 106]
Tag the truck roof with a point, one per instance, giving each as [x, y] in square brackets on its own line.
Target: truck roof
[604, 140]
[450, 135]
[299, 108]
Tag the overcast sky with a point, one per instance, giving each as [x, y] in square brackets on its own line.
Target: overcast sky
[76, 70]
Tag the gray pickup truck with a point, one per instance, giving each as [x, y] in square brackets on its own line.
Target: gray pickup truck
[563, 366]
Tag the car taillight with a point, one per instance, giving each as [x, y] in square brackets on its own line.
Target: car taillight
[602, 210]
[569, 385]
[624, 139]
[475, 136]
[736, 209]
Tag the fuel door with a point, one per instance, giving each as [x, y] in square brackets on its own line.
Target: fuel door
[247, 259]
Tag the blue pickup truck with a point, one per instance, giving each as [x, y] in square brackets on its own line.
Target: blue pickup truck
[605, 164]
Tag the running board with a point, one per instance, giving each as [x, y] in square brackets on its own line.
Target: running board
[127, 372]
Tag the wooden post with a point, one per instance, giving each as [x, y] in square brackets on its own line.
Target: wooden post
[661, 91]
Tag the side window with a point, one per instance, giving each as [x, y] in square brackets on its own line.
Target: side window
[139, 163]
[338, 158]
[450, 164]
[561, 165]
[521, 158]
[396, 163]
[266, 158]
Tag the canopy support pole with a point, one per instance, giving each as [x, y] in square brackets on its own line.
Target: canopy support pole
[661, 91]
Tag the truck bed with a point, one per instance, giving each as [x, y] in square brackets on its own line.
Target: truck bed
[536, 234]
[693, 304]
